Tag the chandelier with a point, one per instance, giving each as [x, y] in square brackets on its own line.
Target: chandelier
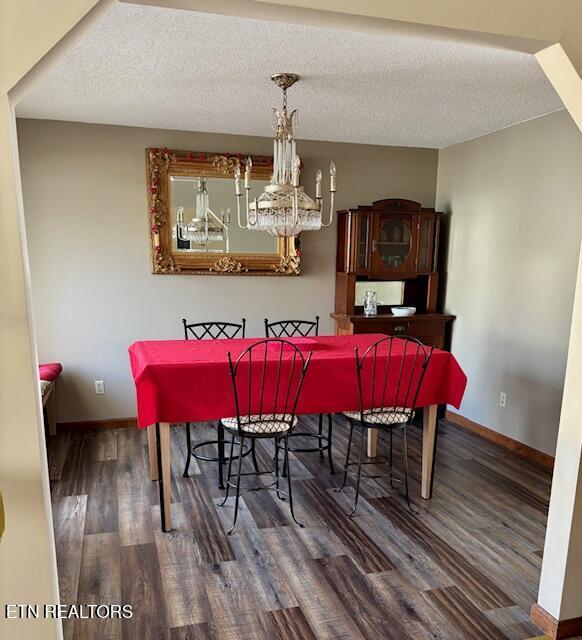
[205, 227]
[284, 209]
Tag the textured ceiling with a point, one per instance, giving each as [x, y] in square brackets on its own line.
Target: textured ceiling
[151, 67]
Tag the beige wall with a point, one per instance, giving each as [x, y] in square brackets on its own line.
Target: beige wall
[93, 293]
[516, 203]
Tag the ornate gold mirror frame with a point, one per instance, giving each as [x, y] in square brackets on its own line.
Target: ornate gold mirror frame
[163, 163]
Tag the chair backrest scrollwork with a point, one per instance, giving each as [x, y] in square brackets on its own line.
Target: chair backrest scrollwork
[213, 330]
[267, 378]
[291, 328]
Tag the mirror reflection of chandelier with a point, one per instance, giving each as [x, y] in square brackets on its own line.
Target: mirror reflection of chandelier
[284, 209]
[205, 227]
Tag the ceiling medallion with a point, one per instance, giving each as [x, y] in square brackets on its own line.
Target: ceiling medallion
[284, 209]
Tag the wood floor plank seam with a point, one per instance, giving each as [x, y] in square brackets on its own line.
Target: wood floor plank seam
[354, 538]
[289, 624]
[454, 604]
[361, 600]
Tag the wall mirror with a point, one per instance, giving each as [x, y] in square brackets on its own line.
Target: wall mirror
[193, 218]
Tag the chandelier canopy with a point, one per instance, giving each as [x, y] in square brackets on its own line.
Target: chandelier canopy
[206, 227]
[284, 209]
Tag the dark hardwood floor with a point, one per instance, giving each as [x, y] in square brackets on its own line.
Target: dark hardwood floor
[465, 567]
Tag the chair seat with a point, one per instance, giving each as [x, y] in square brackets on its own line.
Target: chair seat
[265, 424]
[384, 416]
[49, 371]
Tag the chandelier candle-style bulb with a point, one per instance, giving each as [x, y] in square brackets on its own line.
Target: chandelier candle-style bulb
[248, 169]
[237, 189]
[296, 167]
[332, 173]
[284, 209]
[318, 179]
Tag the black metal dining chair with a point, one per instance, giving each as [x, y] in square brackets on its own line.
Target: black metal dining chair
[304, 328]
[388, 382]
[266, 379]
[291, 328]
[212, 331]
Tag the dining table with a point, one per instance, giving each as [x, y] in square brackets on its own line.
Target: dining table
[179, 381]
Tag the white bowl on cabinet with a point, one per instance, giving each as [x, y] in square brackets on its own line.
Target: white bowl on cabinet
[403, 311]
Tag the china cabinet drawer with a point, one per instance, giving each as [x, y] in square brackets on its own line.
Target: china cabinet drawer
[400, 329]
[419, 325]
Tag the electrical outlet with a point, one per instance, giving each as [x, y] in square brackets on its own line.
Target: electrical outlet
[99, 387]
[502, 399]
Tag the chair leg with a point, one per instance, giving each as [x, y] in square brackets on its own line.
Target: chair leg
[228, 472]
[329, 436]
[284, 474]
[320, 431]
[253, 456]
[189, 445]
[405, 454]
[289, 482]
[391, 466]
[347, 464]
[276, 461]
[220, 430]
[236, 501]
[363, 438]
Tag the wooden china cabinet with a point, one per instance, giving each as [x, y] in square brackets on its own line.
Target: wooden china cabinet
[394, 241]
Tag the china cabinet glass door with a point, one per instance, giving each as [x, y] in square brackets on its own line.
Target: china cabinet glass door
[393, 244]
[362, 241]
[425, 244]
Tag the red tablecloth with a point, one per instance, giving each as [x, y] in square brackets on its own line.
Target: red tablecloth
[187, 380]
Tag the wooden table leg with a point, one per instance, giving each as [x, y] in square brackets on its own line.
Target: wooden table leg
[372, 442]
[428, 449]
[165, 474]
[153, 452]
